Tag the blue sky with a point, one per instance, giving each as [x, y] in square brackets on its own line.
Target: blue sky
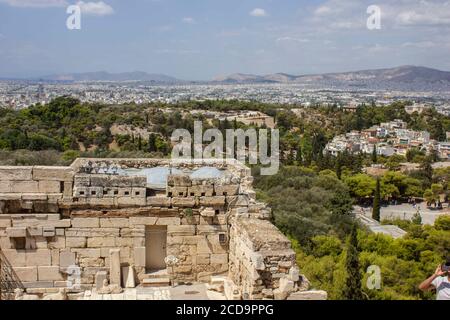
[201, 39]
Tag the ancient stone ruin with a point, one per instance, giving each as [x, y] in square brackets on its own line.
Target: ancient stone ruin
[111, 224]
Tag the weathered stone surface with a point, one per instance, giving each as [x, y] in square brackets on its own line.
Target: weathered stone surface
[99, 242]
[46, 186]
[25, 187]
[6, 186]
[15, 173]
[85, 222]
[76, 242]
[139, 256]
[16, 232]
[180, 230]
[26, 274]
[159, 201]
[114, 268]
[40, 257]
[114, 223]
[139, 221]
[49, 273]
[100, 277]
[53, 173]
[66, 258]
[216, 201]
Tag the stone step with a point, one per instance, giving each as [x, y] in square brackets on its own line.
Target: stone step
[156, 282]
[156, 274]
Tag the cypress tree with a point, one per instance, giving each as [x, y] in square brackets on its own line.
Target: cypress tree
[376, 202]
[339, 166]
[352, 289]
[374, 154]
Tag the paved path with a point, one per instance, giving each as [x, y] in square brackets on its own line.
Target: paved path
[406, 212]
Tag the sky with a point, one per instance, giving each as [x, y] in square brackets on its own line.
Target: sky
[202, 39]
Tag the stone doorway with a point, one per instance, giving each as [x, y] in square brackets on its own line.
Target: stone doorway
[155, 247]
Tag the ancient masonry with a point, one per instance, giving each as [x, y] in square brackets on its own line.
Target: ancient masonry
[73, 227]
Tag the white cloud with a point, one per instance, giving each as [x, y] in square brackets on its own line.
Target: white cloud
[95, 8]
[258, 12]
[189, 20]
[35, 3]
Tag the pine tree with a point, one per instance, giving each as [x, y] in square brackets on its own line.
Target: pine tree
[152, 143]
[352, 289]
[376, 202]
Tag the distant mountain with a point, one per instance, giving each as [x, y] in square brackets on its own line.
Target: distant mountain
[106, 76]
[405, 78]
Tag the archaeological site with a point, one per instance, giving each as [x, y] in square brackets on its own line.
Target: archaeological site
[112, 228]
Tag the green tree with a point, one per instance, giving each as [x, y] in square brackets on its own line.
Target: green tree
[352, 289]
[374, 154]
[377, 202]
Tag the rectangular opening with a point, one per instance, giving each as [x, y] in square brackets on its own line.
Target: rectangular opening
[116, 192]
[150, 193]
[19, 243]
[81, 193]
[127, 193]
[155, 247]
[203, 194]
[137, 193]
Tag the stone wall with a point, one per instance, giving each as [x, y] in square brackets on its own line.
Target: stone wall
[54, 220]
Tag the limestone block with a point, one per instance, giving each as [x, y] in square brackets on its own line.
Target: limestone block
[179, 180]
[139, 221]
[53, 173]
[221, 258]
[211, 229]
[201, 191]
[308, 295]
[202, 259]
[95, 192]
[220, 219]
[88, 252]
[26, 274]
[49, 273]
[98, 242]
[207, 212]
[167, 221]
[204, 246]
[177, 192]
[159, 201]
[226, 190]
[5, 222]
[101, 202]
[12, 173]
[139, 256]
[40, 257]
[76, 242]
[38, 284]
[85, 223]
[17, 258]
[181, 230]
[138, 192]
[5, 243]
[129, 201]
[57, 242]
[6, 186]
[16, 232]
[66, 258]
[46, 186]
[128, 277]
[257, 261]
[216, 201]
[188, 202]
[59, 231]
[114, 268]
[114, 223]
[55, 257]
[25, 187]
[81, 192]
